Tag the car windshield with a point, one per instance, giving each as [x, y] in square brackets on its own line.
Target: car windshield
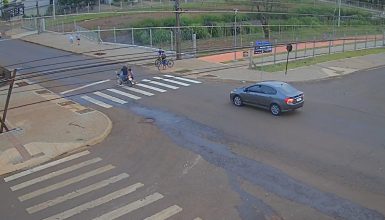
[288, 88]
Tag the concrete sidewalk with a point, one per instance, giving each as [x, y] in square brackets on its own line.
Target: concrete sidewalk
[44, 130]
[197, 67]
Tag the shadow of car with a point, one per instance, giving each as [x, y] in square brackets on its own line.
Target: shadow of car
[275, 96]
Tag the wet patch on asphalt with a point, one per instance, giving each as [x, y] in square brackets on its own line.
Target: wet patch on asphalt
[203, 140]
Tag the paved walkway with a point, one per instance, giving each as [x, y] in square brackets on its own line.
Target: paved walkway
[60, 125]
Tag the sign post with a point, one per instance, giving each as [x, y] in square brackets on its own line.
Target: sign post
[289, 48]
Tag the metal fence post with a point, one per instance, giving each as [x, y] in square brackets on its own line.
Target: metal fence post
[343, 43]
[62, 25]
[75, 25]
[251, 55]
[150, 37]
[313, 46]
[383, 38]
[132, 36]
[355, 42]
[114, 35]
[366, 40]
[172, 39]
[194, 40]
[330, 45]
[296, 47]
[375, 40]
[275, 51]
[305, 48]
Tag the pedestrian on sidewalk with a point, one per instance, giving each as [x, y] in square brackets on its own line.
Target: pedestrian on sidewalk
[71, 39]
[78, 39]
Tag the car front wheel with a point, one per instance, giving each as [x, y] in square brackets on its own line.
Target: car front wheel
[237, 100]
[275, 109]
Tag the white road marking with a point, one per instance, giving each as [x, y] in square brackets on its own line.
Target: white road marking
[138, 91]
[166, 213]
[151, 87]
[197, 218]
[172, 81]
[76, 193]
[160, 84]
[96, 102]
[130, 207]
[124, 94]
[114, 99]
[45, 166]
[184, 79]
[89, 205]
[65, 183]
[54, 174]
[85, 86]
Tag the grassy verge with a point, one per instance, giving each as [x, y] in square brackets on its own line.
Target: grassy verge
[319, 59]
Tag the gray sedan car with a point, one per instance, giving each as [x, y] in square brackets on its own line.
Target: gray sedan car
[275, 96]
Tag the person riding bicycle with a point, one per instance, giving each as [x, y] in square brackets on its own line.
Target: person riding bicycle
[131, 75]
[162, 56]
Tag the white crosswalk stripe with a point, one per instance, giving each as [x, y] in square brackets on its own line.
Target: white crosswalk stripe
[85, 86]
[165, 213]
[65, 183]
[114, 99]
[96, 102]
[130, 207]
[138, 91]
[54, 174]
[124, 94]
[172, 81]
[183, 79]
[76, 193]
[160, 84]
[45, 166]
[97, 202]
[151, 87]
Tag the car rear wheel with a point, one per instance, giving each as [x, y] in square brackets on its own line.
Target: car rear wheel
[237, 100]
[275, 109]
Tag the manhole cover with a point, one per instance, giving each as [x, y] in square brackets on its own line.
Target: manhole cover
[100, 54]
[147, 120]
[85, 111]
[66, 103]
[43, 92]
[20, 84]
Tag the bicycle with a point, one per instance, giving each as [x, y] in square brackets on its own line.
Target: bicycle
[166, 63]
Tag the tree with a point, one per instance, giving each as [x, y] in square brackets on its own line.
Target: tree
[264, 9]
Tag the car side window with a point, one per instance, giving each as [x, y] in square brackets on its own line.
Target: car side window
[268, 90]
[256, 88]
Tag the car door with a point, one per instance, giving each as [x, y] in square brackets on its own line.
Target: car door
[266, 95]
[252, 94]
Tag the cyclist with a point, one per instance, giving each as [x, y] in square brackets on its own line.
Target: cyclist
[131, 75]
[162, 56]
[123, 73]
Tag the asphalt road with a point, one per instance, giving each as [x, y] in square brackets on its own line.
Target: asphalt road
[218, 161]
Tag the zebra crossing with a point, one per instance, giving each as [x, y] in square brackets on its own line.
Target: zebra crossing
[21, 182]
[144, 88]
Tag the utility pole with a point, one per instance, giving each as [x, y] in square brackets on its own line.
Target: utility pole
[177, 30]
[54, 10]
[12, 80]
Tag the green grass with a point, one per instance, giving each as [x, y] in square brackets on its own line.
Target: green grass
[319, 59]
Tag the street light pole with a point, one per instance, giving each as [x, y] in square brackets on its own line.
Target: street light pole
[339, 12]
[235, 34]
[99, 6]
